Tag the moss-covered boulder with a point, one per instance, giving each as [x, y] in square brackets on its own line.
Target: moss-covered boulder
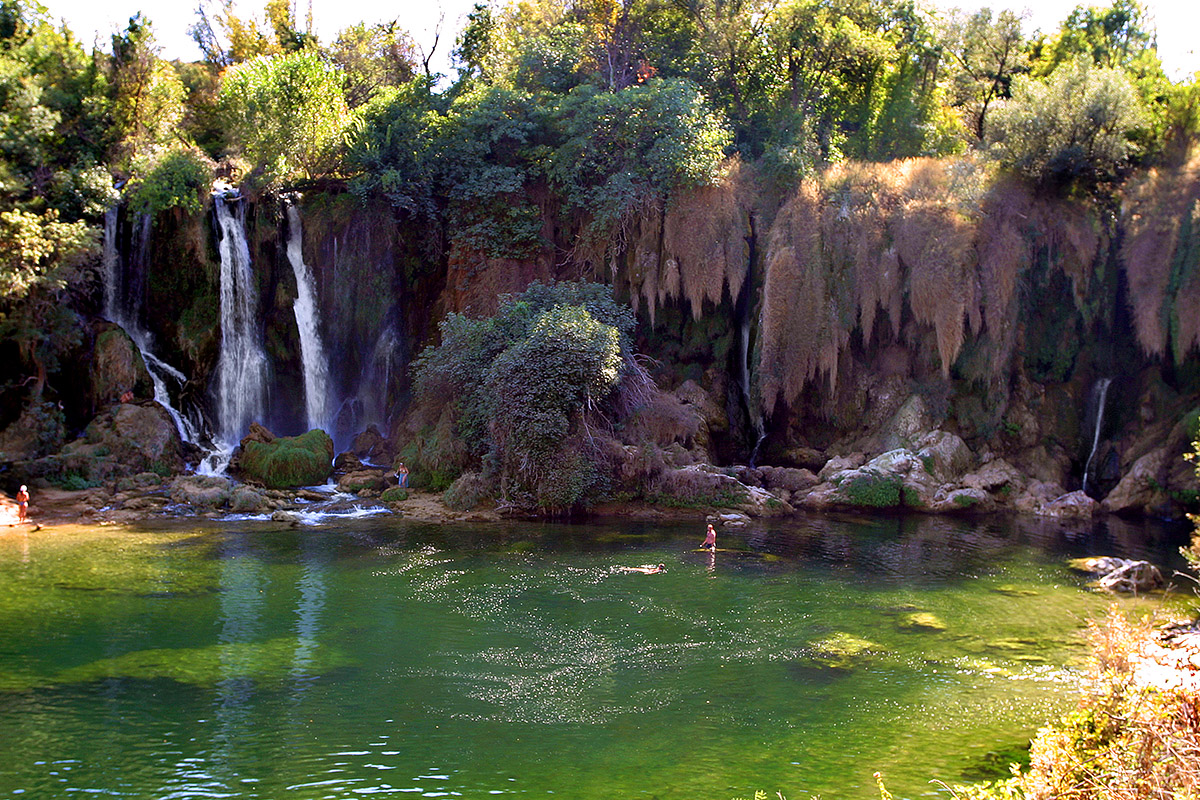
[287, 462]
[841, 652]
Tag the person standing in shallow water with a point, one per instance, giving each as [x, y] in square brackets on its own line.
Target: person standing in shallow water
[710, 539]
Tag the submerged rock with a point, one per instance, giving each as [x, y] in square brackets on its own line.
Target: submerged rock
[841, 651]
[921, 622]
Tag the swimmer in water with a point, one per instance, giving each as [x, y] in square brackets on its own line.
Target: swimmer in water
[710, 540]
[646, 569]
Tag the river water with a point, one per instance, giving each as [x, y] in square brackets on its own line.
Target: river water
[384, 657]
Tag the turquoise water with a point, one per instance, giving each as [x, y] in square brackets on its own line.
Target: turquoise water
[380, 657]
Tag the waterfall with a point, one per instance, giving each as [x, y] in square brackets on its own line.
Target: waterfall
[368, 405]
[122, 305]
[312, 351]
[242, 364]
[111, 261]
[1100, 395]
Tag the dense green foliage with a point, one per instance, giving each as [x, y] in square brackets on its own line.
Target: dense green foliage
[589, 133]
[288, 461]
[287, 112]
[518, 388]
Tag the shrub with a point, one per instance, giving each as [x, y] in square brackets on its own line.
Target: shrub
[394, 494]
[516, 389]
[467, 492]
[287, 111]
[872, 490]
[178, 178]
[1072, 128]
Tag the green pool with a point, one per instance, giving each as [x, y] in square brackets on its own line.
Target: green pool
[379, 657]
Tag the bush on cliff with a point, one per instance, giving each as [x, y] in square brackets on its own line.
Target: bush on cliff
[521, 390]
[288, 461]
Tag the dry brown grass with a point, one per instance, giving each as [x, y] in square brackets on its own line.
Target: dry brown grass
[704, 234]
[1136, 734]
[1160, 249]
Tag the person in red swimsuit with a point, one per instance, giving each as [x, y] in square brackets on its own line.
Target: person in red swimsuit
[22, 503]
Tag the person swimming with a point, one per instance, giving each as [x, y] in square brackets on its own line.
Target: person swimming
[646, 569]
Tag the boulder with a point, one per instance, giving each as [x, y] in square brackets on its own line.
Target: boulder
[1142, 487]
[116, 367]
[202, 491]
[125, 440]
[960, 500]
[945, 456]
[994, 476]
[346, 463]
[290, 518]
[840, 464]
[1121, 574]
[286, 461]
[39, 431]
[907, 425]
[247, 500]
[789, 478]
[1073, 505]
[374, 480]
[372, 446]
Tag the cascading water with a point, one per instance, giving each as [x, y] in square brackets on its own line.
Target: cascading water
[1100, 397]
[242, 364]
[368, 405]
[122, 305]
[312, 351]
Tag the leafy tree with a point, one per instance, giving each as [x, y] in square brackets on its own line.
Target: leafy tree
[474, 50]
[41, 257]
[1071, 130]
[173, 178]
[147, 95]
[225, 38]
[629, 149]
[521, 385]
[372, 57]
[984, 55]
[287, 113]
[1116, 37]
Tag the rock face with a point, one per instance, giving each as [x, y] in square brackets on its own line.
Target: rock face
[39, 431]
[116, 367]
[128, 439]
[284, 462]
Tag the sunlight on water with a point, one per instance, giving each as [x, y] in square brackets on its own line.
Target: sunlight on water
[379, 657]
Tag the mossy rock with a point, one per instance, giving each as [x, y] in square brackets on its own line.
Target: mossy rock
[288, 461]
[394, 495]
[841, 651]
[269, 661]
[871, 490]
[922, 622]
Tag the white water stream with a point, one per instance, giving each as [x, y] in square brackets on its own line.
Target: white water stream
[1101, 392]
[312, 351]
[242, 366]
[159, 370]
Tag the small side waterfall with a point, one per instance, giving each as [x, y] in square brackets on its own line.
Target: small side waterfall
[122, 305]
[1100, 398]
[368, 405]
[242, 364]
[312, 351]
